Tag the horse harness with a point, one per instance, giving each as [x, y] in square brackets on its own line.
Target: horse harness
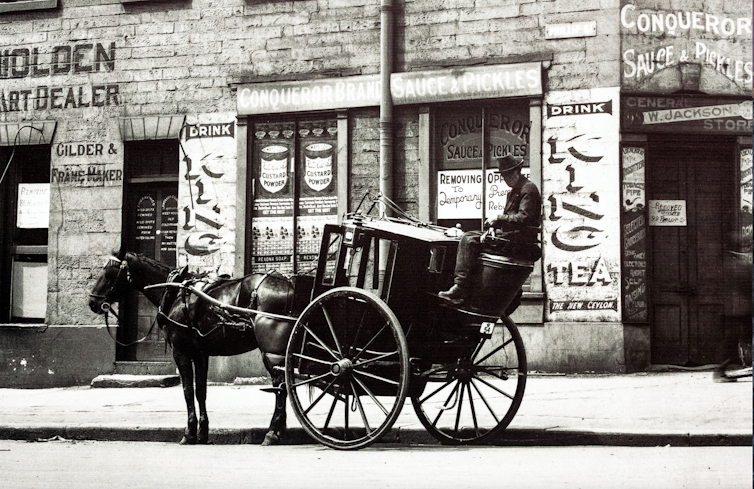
[237, 318]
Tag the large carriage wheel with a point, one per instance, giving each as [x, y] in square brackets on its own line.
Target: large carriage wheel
[346, 368]
[474, 398]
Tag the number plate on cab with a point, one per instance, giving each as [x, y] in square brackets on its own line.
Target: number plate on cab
[486, 329]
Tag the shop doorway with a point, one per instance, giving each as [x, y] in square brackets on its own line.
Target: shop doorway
[150, 226]
[696, 177]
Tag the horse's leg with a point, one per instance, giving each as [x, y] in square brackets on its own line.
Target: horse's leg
[278, 423]
[186, 371]
[201, 365]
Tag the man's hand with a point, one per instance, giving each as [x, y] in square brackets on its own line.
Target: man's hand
[493, 222]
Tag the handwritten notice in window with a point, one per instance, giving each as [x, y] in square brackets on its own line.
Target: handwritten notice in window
[667, 212]
[33, 205]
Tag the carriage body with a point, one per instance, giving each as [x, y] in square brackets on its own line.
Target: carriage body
[376, 333]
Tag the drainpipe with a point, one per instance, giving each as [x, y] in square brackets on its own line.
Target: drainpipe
[386, 100]
[386, 121]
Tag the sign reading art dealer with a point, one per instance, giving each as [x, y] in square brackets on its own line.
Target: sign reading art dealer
[495, 81]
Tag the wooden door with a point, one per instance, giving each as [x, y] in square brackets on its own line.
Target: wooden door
[152, 224]
[688, 282]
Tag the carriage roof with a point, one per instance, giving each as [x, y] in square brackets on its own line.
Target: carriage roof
[416, 231]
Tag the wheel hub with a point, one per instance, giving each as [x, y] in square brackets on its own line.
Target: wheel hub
[341, 367]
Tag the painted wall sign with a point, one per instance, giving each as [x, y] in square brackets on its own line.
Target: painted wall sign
[686, 114]
[56, 98]
[573, 29]
[224, 129]
[667, 212]
[634, 234]
[701, 50]
[581, 221]
[206, 194]
[33, 209]
[87, 175]
[510, 80]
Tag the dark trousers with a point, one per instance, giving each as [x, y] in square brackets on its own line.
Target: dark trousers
[466, 258]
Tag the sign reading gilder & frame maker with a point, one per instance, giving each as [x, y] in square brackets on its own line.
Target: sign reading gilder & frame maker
[480, 82]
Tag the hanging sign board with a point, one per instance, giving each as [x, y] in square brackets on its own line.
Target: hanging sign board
[667, 212]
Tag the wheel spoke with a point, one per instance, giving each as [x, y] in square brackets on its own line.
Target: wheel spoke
[494, 387]
[313, 379]
[361, 409]
[319, 398]
[447, 383]
[371, 395]
[473, 411]
[374, 359]
[358, 355]
[495, 350]
[484, 400]
[312, 359]
[445, 405]
[322, 343]
[330, 413]
[491, 371]
[332, 330]
[377, 377]
[460, 405]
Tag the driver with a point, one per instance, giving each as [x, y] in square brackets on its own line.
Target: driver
[519, 223]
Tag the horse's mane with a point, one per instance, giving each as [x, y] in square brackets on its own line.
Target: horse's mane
[151, 261]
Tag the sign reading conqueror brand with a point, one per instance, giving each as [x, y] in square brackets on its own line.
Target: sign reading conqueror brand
[480, 82]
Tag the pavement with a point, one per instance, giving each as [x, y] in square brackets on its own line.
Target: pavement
[685, 408]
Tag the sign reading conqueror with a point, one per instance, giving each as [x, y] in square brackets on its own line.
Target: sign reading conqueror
[495, 81]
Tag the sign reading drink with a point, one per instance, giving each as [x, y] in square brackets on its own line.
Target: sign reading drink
[479, 82]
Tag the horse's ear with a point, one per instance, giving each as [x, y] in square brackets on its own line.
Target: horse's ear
[119, 253]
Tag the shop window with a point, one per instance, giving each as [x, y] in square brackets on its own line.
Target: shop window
[469, 140]
[24, 207]
[294, 187]
[23, 5]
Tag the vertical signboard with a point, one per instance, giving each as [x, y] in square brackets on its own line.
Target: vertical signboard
[272, 211]
[745, 195]
[581, 228]
[168, 229]
[634, 234]
[318, 184]
[207, 192]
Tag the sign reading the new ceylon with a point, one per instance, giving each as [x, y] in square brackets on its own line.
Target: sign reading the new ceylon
[468, 83]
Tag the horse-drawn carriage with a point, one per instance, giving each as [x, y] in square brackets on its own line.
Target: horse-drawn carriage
[351, 343]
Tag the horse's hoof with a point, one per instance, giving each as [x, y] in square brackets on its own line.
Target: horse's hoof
[271, 439]
[187, 441]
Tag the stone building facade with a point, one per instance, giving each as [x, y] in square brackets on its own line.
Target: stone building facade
[223, 135]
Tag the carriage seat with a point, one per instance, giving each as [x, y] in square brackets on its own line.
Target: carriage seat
[519, 247]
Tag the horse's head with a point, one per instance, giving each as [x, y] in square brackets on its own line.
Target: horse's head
[111, 285]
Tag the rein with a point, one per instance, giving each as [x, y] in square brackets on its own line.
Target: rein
[107, 308]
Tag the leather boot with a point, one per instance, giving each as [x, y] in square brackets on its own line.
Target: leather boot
[456, 295]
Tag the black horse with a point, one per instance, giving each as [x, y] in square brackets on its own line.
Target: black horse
[197, 325]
